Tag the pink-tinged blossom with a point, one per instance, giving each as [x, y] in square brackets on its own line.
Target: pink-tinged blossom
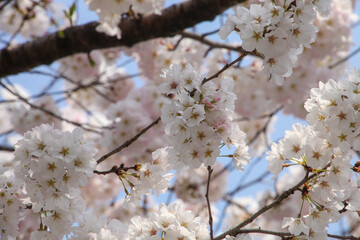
[288, 28]
[197, 119]
[154, 55]
[111, 12]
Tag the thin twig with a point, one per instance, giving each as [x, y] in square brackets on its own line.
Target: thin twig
[47, 111]
[210, 170]
[4, 5]
[266, 125]
[177, 44]
[356, 51]
[343, 237]
[49, 86]
[128, 142]
[242, 119]
[214, 45]
[25, 18]
[210, 33]
[117, 170]
[228, 65]
[256, 180]
[259, 230]
[236, 230]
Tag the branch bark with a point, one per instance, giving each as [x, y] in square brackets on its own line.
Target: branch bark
[84, 38]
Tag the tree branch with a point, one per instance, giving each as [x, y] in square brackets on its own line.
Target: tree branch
[24, 100]
[236, 230]
[128, 142]
[7, 149]
[210, 170]
[84, 38]
[214, 45]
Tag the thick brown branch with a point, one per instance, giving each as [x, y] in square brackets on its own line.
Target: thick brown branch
[84, 38]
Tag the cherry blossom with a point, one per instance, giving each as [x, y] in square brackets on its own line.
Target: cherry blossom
[152, 139]
[198, 114]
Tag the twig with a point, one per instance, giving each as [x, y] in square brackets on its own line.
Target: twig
[356, 51]
[84, 38]
[6, 149]
[213, 45]
[259, 230]
[258, 179]
[236, 230]
[76, 88]
[221, 218]
[47, 111]
[343, 237]
[242, 119]
[210, 170]
[210, 33]
[4, 5]
[117, 170]
[128, 142]
[264, 128]
[177, 44]
[228, 65]
[25, 17]
[6, 132]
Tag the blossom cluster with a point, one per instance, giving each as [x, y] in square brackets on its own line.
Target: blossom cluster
[29, 18]
[152, 176]
[323, 148]
[170, 222]
[111, 12]
[9, 203]
[277, 30]
[167, 223]
[51, 166]
[334, 111]
[45, 192]
[24, 117]
[155, 55]
[95, 227]
[198, 119]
